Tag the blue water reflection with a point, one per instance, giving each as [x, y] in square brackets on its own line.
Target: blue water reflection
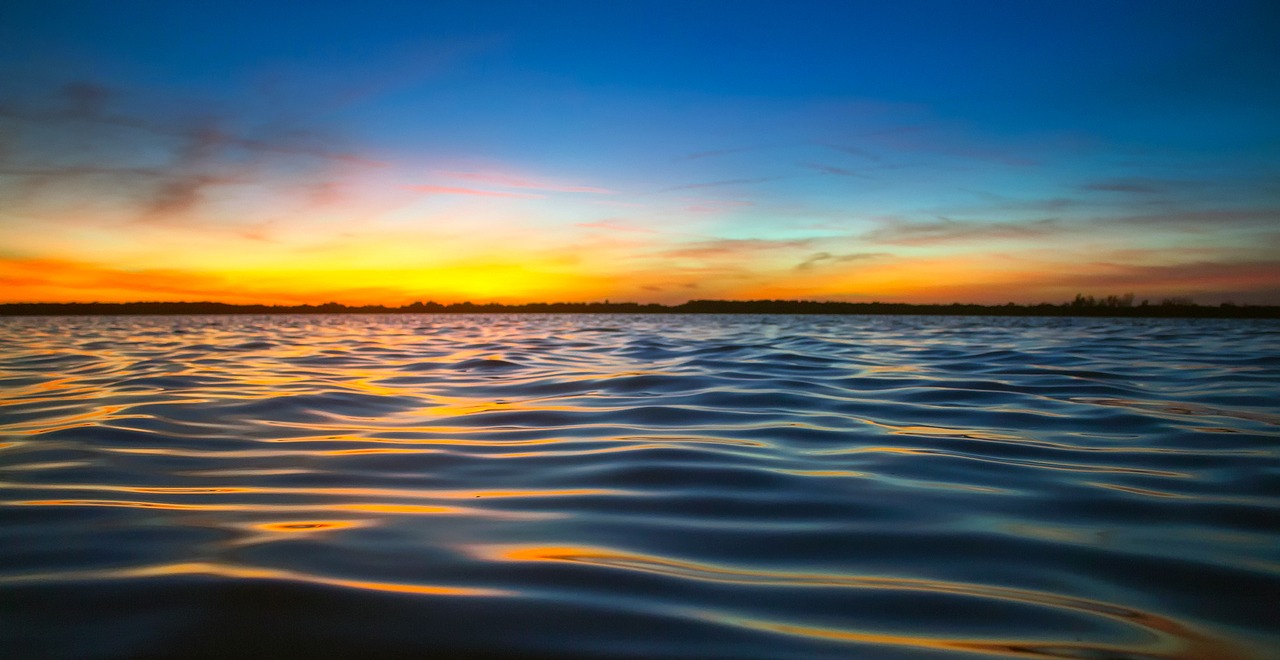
[640, 486]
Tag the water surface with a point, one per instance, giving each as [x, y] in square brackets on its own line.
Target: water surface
[639, 486]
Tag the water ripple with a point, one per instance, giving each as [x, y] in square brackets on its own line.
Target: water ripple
[639, 486]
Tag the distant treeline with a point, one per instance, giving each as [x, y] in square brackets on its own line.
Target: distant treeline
[1081, 306]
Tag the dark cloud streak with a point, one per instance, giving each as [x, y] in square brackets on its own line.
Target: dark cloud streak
[75, 148]
[947, 230]
[838, 171]
[820, 258]
[730, 247]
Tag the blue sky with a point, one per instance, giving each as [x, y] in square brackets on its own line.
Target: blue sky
[930, 151]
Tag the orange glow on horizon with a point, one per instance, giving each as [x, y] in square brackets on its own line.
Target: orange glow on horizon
[905, 280]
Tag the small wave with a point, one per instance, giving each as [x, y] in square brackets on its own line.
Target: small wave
[643, 486]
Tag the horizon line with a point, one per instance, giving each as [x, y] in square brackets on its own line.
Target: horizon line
[1080, 306]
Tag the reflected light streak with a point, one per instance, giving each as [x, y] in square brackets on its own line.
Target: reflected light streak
[372, 507]
[825, 473]
[307, 526]
[1004, 648]
[1062, 467]
[102, 412]
[1180, 641]
[355, 492]
[253, 573]
[404, 508]
[1145, 492]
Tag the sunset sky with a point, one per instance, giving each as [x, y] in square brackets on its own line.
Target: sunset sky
[969, 151]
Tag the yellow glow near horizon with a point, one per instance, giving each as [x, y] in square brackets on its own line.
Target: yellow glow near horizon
[352, 252]
[549, 277]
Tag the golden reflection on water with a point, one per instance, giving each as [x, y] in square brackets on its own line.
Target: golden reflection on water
[373, 507]
[145, 505]
[367, 406]
[56, 421]
[56, 465]
[825, 473]
[376, 450]
[254, 573]
[413, 509]
[307, 526]
[266, 532]
[974, 434]
[354, 492]
[892, 368]
[243, 472]
[1175, 640]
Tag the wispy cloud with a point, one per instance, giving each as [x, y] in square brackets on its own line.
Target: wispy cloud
[90, 103]
[718, 184]
[616, 226]
[819, 258]
[718, 205]
[180, 195]
[733, 247]
[855, 151]
[78, 158]
[1200, 220]
[838, 171]
[1136, 185]
[509, 181]
[947, 230]
[474, 192]
[713, 153]
[658, 288]
[947, 141]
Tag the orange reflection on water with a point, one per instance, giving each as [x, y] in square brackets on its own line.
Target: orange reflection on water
[243, 472]
[613, 449]
[375, 450]
[352, 492]
[137, 505]
[56, 384]
[52, 465]
[824, 473]
[198, 453]
[308, 526]
[359, 507]
[876, 450]
[403, 508]
[564, 492]
[184, 490]
[894, 368]
[248, 572]
[949, 432]
[1177, 640]
[52, 422]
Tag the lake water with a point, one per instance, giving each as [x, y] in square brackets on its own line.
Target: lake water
[639, 486]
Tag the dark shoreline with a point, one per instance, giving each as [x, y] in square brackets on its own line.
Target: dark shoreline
[691, 307]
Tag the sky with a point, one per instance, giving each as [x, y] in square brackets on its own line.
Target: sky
[385, 153]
